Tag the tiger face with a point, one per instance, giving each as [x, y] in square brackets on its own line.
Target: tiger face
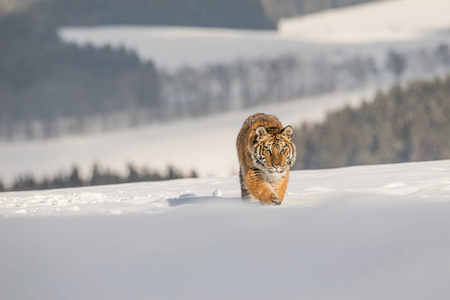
[274, 152]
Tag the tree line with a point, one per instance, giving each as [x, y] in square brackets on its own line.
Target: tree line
[247, 14]
[278, 9]
[407, 123]
[249, 83]
[99, 176]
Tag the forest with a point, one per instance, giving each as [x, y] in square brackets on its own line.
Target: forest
[255, 14]
[277, 9]
[99, 176]
[247, 14]
[405, 124]
[43, 80]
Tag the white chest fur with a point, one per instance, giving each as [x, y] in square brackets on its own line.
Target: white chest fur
[274, 177]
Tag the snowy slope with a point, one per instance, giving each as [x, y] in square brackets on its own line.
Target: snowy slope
[174, 47]
[369, 232]
[367, 29]
[425, 181]
[380, 21]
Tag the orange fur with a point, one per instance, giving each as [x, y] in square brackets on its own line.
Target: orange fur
[266, 152]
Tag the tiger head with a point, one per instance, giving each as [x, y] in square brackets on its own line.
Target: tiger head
[273, 150]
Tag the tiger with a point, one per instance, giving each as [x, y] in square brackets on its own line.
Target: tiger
[266, 153]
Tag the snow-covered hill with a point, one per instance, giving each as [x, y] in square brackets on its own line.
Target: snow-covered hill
[368, 232]
[368, 28]
[380, 21]
[175, 47]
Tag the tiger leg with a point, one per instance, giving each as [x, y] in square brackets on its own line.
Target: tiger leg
[245, 193]
[260, 189]
[281, 185]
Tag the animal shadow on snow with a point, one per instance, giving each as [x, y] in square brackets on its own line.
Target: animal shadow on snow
[203, 200]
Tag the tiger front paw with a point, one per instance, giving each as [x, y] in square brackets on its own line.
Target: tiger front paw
[276, 201]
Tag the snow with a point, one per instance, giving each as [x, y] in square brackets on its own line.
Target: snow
[366, 232]
[174, 47]
[379, 21]
[365, 29]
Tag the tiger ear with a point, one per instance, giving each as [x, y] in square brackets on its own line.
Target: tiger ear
[288, 131]
[260, 132]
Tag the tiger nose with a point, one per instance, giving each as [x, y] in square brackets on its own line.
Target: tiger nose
[276, 166]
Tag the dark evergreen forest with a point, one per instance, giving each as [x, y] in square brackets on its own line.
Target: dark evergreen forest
[278, 9]
[42, 78]
[407, 123]
[99, 176]
[207, 13]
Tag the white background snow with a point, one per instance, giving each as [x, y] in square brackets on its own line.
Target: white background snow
[368, 232]
[368, 28]
[380, 21]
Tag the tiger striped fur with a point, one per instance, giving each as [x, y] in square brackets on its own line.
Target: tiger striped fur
[266, 153]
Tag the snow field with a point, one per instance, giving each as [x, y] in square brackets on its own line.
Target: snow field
[369, 232]
[326, 252]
